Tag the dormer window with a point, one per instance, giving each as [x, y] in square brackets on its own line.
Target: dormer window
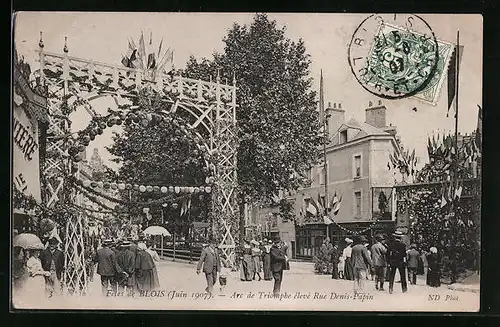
[343, 137]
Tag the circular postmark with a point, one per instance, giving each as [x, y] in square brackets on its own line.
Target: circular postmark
[394, 55]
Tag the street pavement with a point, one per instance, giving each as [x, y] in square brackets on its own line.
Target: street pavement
[182, 289]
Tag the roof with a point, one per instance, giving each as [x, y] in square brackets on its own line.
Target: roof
[363, 130]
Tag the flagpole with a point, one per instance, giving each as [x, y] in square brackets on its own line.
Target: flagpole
[327, 136]
[457, 60]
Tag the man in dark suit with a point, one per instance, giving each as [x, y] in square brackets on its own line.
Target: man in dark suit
[335, 255]
[396, 253]
[126, 260]
[107, 267]
[379, 252]
[210, 260]
[53, 261]
[278, 261]
[412, 259]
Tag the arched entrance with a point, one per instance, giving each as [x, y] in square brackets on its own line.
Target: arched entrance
[73, 82]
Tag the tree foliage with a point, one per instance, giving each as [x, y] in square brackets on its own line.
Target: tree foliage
[277, 118]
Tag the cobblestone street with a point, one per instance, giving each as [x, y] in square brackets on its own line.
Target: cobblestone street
[183, 289]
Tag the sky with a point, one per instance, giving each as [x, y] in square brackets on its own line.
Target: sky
[103, 37]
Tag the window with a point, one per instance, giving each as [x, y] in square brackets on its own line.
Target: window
[357, 165]
[343, 137]
[357, 204]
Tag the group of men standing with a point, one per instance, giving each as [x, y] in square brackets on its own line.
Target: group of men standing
[128, 267]
[210, 263]
[382, 260]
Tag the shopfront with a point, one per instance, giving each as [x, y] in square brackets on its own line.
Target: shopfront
[309, 239]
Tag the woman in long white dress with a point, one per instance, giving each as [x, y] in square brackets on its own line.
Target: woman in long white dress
[34, 286]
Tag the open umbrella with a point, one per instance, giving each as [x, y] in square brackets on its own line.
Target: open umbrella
[28, 241]
[156, 230]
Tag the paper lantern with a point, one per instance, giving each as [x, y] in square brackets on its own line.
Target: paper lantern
[86, 183]
[102, 126]
[136, 187]
[208, 189]
[92, 137]
[142, 188]
[86, 139]
[111, 122]
[149, 188]
[177, 189]
[171, 189]
[128, 186]
[121, 186]
[196, 190]
[100, 184]
[156, 188]
[145, 210]
[191, 189]
[107, 185]
[81, 148]
[118, 121]
[99, 131]
[164, 189]
[93, 184]
[114, 186]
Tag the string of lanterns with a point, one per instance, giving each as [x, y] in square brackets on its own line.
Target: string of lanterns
[160, 201]
[148, 188]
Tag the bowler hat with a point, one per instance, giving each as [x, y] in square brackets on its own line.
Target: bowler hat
[107, 242]
[125, 243]
[53, 240]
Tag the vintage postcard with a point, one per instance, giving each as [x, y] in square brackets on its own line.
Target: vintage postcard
[242, 161]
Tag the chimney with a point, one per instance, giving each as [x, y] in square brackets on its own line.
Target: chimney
[337, 117]
[375, 114]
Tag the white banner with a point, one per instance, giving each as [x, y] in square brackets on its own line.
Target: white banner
[25, 146]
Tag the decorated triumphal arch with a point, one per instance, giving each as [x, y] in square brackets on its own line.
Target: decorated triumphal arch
[72, 83]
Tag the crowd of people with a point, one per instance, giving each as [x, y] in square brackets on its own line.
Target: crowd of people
[359, 262]
[253, 257]
[127, 266]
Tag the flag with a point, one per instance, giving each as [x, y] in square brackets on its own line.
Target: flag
[311, 208]
[141, 52]
[166, 64]
[458, 192]
[316, 204]
[337, 206]
[479, 128]
[443, 201]
[151, 54]
[327, 220]
[159, 48]
[452, 76]
[334, 201]
[321, 202]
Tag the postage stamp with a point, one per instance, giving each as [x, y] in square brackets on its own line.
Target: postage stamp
[395, 57]
[255, 169]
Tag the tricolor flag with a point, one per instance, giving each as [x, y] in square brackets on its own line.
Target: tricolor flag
[311, 208]
[334, 201]
[151, 53]
[337, 206]
[141, 53]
